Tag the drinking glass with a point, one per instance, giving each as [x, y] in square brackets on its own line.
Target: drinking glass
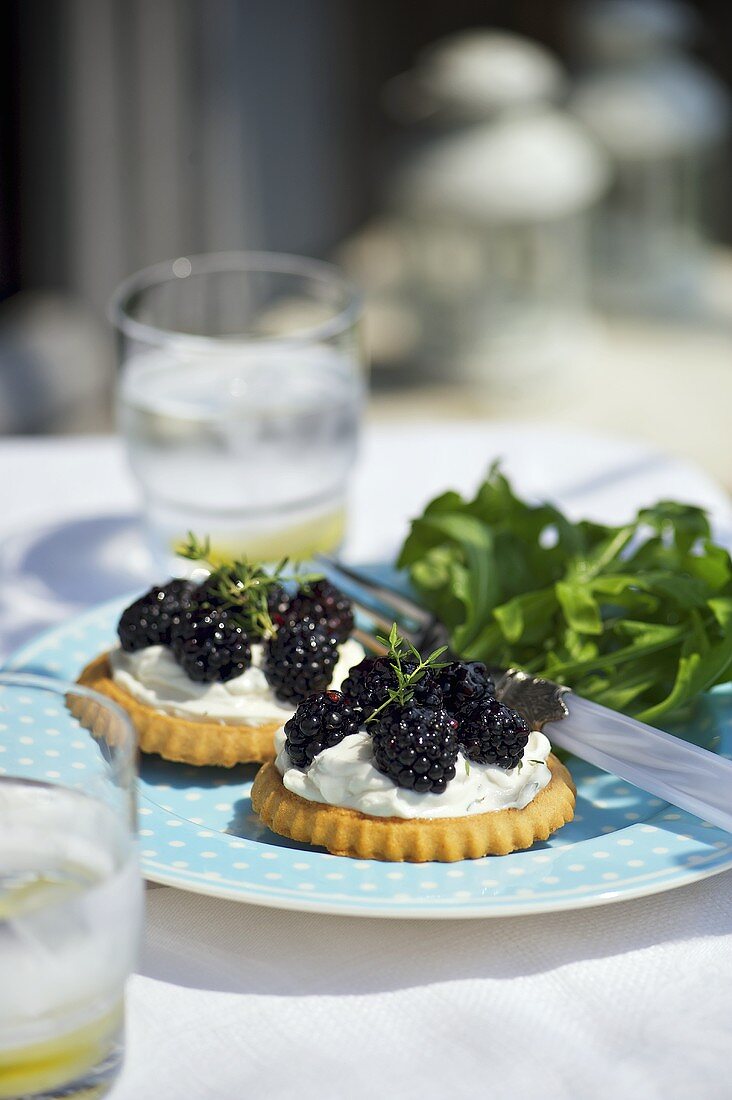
[240, 395]
[70, 887]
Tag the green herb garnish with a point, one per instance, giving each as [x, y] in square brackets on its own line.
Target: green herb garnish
[398, 650]
[637, 617]
[244, 586]
[195, 549]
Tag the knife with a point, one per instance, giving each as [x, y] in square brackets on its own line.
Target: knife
[686, 775]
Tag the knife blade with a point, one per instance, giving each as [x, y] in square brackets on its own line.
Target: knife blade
[684, 774]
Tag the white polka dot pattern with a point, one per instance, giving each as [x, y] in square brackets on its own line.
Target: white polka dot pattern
[622, 843]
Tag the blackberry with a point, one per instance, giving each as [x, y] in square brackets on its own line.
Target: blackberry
[369, 681]
[320, 722]
[463, 683]
[416, 746]
[210, 645]
[278, 601]
[427, 691]
[208, 594]
[491, 733]
[326, 605]
[149, 620]
[299, 660]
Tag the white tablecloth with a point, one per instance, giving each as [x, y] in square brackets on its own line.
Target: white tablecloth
[236, 1001]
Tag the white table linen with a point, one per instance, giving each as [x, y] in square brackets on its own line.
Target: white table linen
[632, 999]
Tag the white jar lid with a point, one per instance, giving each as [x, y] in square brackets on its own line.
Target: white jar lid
[663, 107]
[526, 166]
[482, 71]
[623, 30]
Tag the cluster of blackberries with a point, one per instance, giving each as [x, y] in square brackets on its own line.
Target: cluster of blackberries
[415, 743]
[205, 634]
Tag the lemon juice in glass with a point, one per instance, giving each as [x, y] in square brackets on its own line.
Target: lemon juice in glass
[70, 887]
[240, 396]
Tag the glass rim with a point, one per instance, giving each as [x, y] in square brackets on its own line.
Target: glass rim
[31, 680]
[275, 263]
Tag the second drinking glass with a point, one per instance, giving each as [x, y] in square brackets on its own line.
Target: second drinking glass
[240, 397]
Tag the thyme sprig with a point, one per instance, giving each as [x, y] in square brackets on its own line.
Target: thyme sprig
[245, 586]
[195, 549]
[398, 651]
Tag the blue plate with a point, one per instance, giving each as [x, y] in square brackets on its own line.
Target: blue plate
[198, 832]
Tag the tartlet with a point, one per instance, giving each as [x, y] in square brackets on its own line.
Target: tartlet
[414, 761]
[214, 744]
[208, 671]
[347, 832]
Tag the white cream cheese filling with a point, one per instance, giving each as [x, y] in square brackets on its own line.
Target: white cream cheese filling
[154, 677]
[345, 775]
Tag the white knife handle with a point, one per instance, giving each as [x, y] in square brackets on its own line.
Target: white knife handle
[687, 776]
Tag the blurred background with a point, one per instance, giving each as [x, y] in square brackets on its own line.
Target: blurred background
[534, 196]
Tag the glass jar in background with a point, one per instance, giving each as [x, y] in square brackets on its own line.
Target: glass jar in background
[494, 202]
[70, 887]
[240, 397]
[664, 119]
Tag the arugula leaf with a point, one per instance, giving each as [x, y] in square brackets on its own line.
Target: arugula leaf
[478, 585]
[523, 618]
[580, 609]
[638, 617]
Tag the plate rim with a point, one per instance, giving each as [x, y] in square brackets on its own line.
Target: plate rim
[183, 879]
[461, 911]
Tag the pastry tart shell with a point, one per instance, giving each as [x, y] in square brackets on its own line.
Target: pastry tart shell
[202, 744]
[347, 832]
